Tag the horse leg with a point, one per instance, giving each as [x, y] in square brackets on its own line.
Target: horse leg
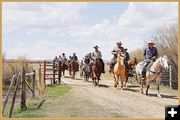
[158, 93]
[142, 86]
[147, 88]
[125, 84]
[115, 80]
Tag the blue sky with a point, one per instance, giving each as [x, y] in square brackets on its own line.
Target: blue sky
[44, 30]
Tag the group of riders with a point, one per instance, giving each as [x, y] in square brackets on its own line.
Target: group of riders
[150, 54]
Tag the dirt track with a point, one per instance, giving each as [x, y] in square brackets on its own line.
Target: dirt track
[85, 100]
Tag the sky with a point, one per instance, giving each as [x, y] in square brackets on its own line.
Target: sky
[42, 31]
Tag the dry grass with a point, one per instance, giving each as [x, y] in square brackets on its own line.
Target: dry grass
[13, 67]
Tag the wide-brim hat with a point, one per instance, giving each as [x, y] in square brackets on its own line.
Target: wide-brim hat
[119, 43]
[151, 42]
[96, 47]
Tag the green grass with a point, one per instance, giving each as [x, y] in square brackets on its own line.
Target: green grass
[53, 92]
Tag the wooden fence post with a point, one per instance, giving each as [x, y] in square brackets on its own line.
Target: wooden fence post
[40, 78]
[54, 66]
[44, 73]
[23, 91]
[8, 93]
[33, 84]
[59, 72]
[170, 76]
[14, 97]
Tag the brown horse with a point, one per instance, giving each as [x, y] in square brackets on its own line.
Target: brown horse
[74, 68]
[63, 67]
[129, 67]
[119, 71]
[96, 71]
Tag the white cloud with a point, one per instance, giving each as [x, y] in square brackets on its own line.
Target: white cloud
[64, 19]
[41, 16]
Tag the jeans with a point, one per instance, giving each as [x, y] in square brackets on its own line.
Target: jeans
[145, 64]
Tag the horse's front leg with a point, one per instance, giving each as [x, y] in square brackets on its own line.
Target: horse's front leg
[125, 84]
[115, 80]
[141, 86]
[147, 88]
[158, 93]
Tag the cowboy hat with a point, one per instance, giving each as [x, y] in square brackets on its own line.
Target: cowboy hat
[150, 42]
[96, 46]
[119, 43]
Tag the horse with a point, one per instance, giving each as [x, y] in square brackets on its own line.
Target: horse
[119, 70]
[74, 68]
[63, 67]
[96, 71]
[129, 68]
[153, 73]
[86, 72]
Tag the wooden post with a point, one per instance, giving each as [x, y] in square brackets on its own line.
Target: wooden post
[59, 72]
[54, 66]
[40, 78]
[14, 97]
[33, 83]
[44, 73]
[170, 76]
[7, 95]
[23, 91]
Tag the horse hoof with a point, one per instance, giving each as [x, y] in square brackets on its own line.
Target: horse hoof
[115, 85]
[159, 95]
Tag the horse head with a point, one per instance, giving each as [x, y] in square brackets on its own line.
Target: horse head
[164, 62]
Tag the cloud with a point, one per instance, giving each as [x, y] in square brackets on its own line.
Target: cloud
[62, 20]
[41, 16]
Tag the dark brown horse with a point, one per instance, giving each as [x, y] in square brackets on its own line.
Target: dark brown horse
[129, 68]
[74, 68]
[63, 67]
[96, 71]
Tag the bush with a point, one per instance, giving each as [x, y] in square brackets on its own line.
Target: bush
[11, 67]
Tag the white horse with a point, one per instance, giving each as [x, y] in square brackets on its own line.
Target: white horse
[153, 73]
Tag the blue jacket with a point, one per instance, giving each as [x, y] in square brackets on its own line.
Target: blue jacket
[151, 53]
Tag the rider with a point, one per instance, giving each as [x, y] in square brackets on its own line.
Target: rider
[115, 51]
[86, 60]
[97, 54]
[150, 53]
[55, 59]
[63, 58]
[127, 57]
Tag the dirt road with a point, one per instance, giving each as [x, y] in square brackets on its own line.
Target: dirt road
[85, 100]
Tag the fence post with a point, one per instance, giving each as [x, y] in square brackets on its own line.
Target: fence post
[44, 73]
[170, 76]
[23, 91]
[33, 83]
[14, 97]
[40, 77]
[7, 95]
[59, 72]
[54, 66]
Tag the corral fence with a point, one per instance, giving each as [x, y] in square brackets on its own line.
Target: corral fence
[21, 82]
[50, 72]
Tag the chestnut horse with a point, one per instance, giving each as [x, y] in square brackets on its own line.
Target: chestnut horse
[96, 71]
[74, 68]
[119, 71]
